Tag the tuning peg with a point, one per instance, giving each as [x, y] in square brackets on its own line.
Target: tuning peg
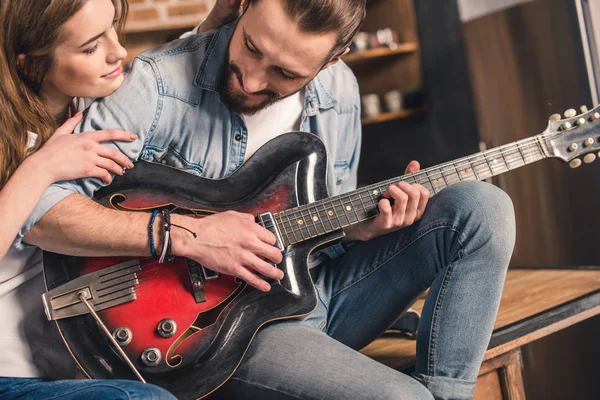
[580, 121]
[576, 163]
[573, 147]
[588, 142]
[590, 158]
[570, 113]
[595, 116]
[583, 109]
[565, 126]
[555, 117]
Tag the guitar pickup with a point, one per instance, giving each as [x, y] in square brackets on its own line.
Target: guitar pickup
[108, 287]
[209, 274]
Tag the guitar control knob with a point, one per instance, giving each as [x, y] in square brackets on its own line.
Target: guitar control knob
[167, 328]
[576, 163]
[122, 335]
[151, 356]
[590, 158]
[555, 117]
[570, 113]
[588, 142]
[583, 109]
[581, 121]
[573, 147]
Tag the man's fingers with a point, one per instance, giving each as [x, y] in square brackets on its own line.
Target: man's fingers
[424, 199]
[252, 279]
[413, 166]
[262, 267]
[69, 125]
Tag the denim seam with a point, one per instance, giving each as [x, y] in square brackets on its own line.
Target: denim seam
[438, 304]
[87, 388]
[425, 231]
[193, 166]
[266, 387]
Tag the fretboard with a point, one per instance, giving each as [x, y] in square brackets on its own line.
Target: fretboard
[324, 216]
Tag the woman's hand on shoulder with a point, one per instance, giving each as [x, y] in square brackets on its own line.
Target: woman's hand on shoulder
[223, 12]
[66, 156]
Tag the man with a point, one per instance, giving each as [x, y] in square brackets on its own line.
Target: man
[204, 105]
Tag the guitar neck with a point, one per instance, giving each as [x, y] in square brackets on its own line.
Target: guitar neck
[324, 216]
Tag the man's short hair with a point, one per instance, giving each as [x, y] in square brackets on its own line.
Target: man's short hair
[324, 16]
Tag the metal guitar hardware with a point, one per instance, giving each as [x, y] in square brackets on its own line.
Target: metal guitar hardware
[151, 356]
[122, 335]
[105, 288]
[167, 328]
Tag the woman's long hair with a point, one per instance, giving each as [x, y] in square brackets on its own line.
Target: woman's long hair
[32, 28]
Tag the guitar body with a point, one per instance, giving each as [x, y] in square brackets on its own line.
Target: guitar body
[213, 335]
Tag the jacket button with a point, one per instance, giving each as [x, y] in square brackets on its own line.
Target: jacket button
[238, 137]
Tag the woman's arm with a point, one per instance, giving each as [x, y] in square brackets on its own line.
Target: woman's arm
[222, 13]
[63, 157]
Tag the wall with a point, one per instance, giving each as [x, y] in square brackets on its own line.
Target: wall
[152, 15]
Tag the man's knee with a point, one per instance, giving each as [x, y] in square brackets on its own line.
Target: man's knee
[485, 213]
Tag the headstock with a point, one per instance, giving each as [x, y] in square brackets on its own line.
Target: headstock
[575, 138]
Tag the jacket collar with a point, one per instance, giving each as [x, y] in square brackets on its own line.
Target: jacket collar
[213, 65]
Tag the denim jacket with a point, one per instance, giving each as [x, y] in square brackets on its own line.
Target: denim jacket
[170, 99]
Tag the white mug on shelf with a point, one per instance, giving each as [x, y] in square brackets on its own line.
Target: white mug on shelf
[371, 105]
[393, 100]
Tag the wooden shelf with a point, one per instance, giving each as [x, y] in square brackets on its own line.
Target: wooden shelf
[392, 115]
[380, 52]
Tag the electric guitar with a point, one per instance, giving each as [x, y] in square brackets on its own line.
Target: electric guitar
[186, 328]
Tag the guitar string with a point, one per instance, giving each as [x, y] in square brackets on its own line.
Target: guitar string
[512, 154]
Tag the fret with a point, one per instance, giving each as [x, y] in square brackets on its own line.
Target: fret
[344, 213]
[483, 169]
[375, 191]
[437, 182]
[506, 161]
[283, 232]
[465, 171]
[335, 214]
[535, 154]
[495, 163]
[364, 208]
[521, 154]
[319, 218]
[298, 225]
[291, 227]
[310, 223]
[430, 182]
[450, 174]
[328, 220]
[474, 170]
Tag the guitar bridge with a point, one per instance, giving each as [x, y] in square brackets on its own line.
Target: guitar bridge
[103, 289]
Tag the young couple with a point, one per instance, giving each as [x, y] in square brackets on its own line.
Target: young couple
[204, 104]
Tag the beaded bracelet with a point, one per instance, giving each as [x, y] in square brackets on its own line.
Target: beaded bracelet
[151, 233]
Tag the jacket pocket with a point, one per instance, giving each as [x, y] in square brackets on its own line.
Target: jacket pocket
[341, 171]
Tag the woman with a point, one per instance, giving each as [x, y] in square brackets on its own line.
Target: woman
[52, 52]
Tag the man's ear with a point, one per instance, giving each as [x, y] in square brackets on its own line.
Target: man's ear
[336, 59]
[245, 4]
[20, 61]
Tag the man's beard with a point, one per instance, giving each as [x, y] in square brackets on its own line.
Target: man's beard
[236, 101]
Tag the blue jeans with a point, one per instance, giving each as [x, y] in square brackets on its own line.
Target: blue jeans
[85, 389]
[460, 249]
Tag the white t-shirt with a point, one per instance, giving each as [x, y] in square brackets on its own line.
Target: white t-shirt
[30, 346]
[277, 119]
